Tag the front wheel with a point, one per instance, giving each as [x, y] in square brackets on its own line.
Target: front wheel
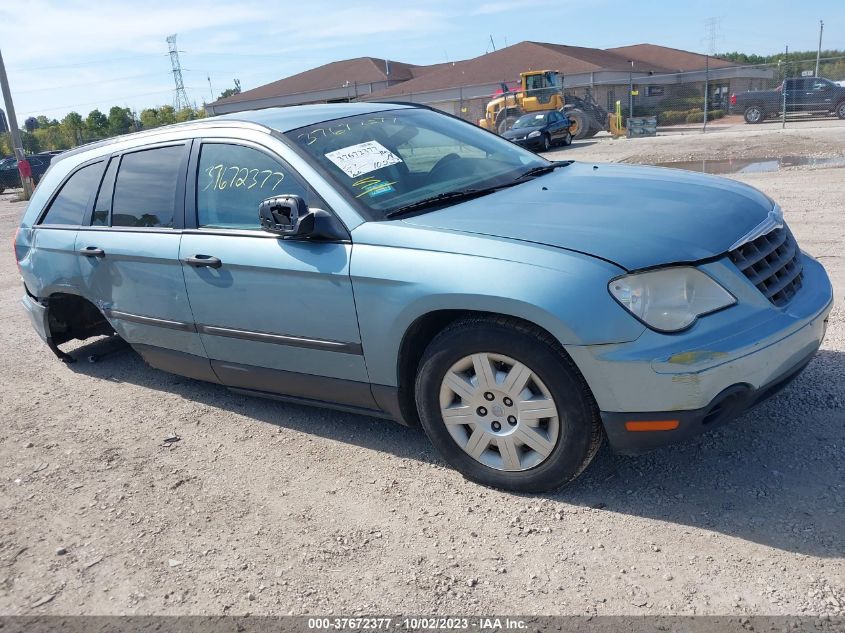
[754, 114]
[840, 110]
[547, 143]
[506, 406]
[567, 140]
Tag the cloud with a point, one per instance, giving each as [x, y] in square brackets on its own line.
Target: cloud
[73, 54]
[491, 8]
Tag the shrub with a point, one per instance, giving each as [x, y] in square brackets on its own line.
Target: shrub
[673, 117]
[698, 117]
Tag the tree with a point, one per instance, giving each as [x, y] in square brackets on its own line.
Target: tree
[149, 118]
[186, 114]
[52, 137]
[97, 124]
[166, 115]
[73, 126]
[30, 142]
[231, 91]
[119, 121]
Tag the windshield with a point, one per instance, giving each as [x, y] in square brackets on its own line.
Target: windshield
[389, 160]
[530, 120]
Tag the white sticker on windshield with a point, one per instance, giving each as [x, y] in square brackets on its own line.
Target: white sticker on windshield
[363, 158]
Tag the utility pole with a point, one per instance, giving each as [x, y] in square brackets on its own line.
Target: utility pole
[706, 89]
[819, 52]
[785, 76]
[180, 97]
[631, 90]
[14, 132]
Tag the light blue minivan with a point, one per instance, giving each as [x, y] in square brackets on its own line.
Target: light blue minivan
[395, 261]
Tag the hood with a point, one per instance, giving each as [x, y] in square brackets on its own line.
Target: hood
[521, 132]
[635, 217]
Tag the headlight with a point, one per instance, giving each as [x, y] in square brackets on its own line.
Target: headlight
[534, 134]
[670, 299]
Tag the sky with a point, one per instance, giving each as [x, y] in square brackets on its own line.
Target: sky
[77, 55]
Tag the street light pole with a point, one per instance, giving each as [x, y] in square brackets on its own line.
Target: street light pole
[14, 131]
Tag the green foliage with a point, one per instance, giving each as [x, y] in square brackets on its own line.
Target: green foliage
[672, 117]
[119, 121]
[743, 58]
[698, 117]
[96, 124]
[30, 142]
[72, 130]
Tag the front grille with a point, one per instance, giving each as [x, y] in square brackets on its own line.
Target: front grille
[772, 262]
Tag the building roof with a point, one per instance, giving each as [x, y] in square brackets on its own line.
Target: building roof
[363, 70]
[672, 59]
[504, 65]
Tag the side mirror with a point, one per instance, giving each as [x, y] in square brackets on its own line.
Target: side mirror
[286, 215]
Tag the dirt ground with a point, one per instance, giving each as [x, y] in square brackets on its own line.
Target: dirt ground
[269, 508]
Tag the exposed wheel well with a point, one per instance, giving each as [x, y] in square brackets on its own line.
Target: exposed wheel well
[416, 340]
[74, 317]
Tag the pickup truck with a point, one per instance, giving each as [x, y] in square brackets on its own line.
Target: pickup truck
[802, 94]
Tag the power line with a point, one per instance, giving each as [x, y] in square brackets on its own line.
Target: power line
[180, 97]
[100, 101]
[96, 62]
[87, 83]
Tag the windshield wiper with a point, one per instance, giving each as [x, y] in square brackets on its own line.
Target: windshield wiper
[543, 169]
[460, 194]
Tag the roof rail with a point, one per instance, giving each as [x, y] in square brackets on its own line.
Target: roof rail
[186, 125]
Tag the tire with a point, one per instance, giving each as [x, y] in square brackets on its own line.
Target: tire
[567, 140]
[593, 131]
[547, 143]
[559, 447]
[840, 110]
[580, 124]
[754, 114]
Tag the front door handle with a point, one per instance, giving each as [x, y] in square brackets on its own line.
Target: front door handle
[92, 251]
[203, 260]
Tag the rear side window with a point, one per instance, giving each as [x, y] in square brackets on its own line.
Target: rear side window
[145, 193]
[103, 204]
[70, 205]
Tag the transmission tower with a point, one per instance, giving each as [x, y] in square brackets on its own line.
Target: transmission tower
[711, 27]
[180, 97]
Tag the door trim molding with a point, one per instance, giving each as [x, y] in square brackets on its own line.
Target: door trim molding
[147, 320]
[283, 339]
[247, 335]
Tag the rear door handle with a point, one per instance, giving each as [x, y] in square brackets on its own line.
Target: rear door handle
[203, 260]
[92, 251]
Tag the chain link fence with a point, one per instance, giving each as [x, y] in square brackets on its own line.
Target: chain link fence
[714, 97]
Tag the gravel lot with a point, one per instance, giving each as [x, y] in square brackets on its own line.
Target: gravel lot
[269, 508]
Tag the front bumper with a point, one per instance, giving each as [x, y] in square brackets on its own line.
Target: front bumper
[529, 143]
[725, 364]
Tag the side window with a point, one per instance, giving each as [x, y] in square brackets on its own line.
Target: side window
[70, 205]
[232, 180]
[145, 192]
[103, 204]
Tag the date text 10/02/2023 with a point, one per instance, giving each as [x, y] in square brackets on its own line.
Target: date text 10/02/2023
[414, 623]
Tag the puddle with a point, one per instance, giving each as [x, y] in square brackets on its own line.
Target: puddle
[753, 165]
